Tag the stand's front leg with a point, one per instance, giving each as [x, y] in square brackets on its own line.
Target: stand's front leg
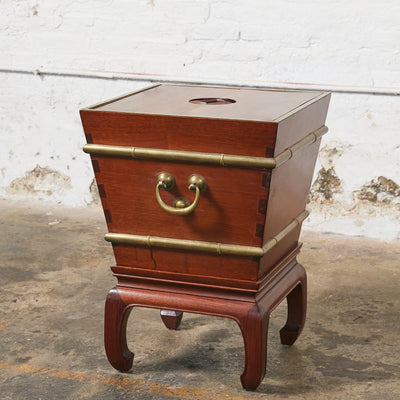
[296, 309]
[115, 319]
[254, 327]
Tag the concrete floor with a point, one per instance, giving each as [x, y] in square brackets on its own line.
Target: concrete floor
[55, 276]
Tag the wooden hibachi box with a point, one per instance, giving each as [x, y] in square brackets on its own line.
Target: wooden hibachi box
[204, 192]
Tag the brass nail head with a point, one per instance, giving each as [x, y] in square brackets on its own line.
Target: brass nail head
[181, 202]
[166, 180]
[197, 180]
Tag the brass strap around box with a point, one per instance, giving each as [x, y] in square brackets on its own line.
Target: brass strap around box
[209, 247]
[204, 158]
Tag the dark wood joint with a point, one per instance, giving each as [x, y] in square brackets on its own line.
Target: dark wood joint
[262, 206]
[259, 230]
[269, 152]
[266, 179]
[96, 166]
[102, 191]
[89, 139]
[107, 214]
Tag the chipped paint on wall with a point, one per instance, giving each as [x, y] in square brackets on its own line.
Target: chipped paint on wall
[326, 184]
[41, 182]
[380, 190]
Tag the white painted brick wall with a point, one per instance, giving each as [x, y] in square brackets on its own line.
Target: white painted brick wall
[324, 42]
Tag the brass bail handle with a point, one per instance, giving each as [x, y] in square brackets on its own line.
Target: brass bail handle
[181, 206]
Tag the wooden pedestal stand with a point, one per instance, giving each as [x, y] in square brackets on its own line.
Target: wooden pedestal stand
[250, 309]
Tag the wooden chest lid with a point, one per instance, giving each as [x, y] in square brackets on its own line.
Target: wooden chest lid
[211, 102]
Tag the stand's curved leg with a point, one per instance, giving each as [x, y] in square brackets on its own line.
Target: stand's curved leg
[297, 308]
[255, 334]
[171, 319]
[115, 319]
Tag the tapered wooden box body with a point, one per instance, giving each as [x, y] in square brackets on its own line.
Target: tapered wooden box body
[222, 134]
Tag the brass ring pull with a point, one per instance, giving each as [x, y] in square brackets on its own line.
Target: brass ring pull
[181, 206]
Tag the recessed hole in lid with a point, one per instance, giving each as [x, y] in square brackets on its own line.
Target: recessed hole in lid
[212, 101]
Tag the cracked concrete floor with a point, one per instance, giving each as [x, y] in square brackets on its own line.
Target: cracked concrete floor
[54, 279]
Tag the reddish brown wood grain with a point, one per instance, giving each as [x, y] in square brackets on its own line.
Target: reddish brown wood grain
[251, 312]
[248, 104]
[227, 211]
[224, 284]
[190, 263]
[241, 206]
[171, 319]
[180, 133]
[290, 183]
[245, 207]
[289, 187]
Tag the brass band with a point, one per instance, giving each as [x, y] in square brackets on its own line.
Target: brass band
[285, 231]
[209, 247]
[205, 158]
